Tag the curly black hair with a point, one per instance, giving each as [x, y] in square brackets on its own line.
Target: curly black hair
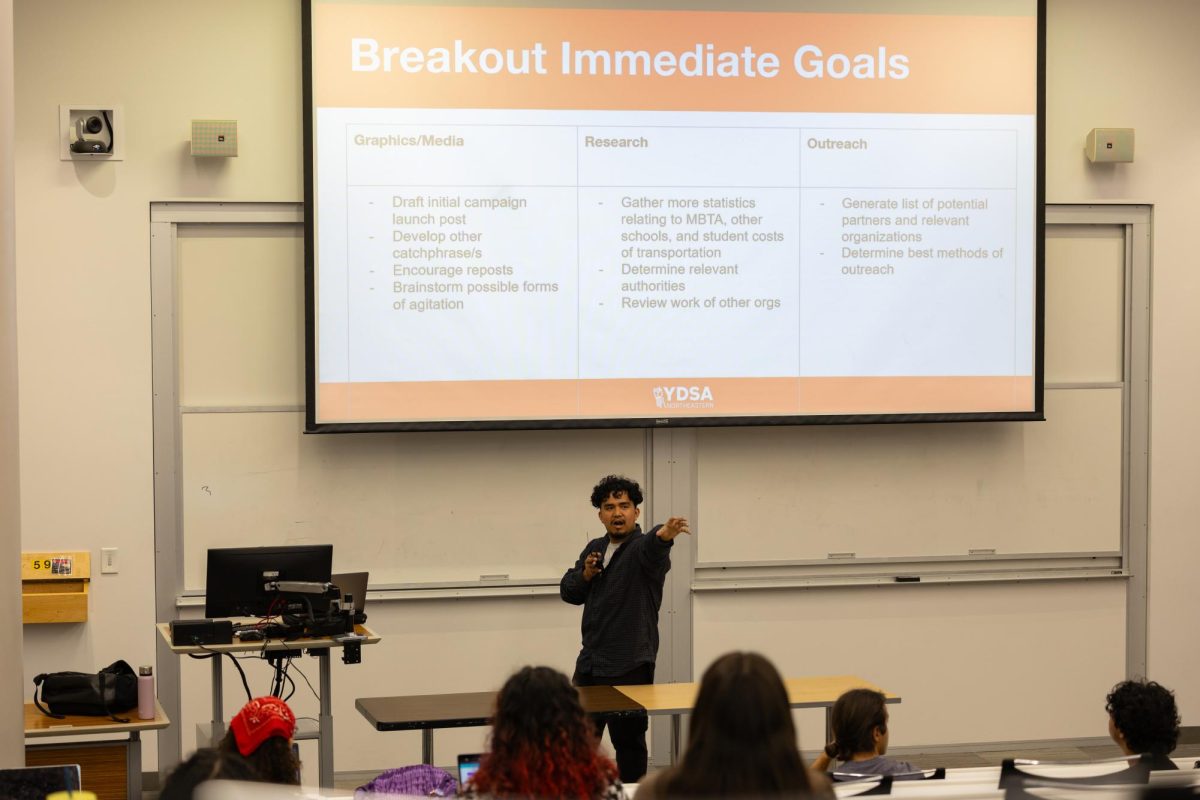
[1145, 714]
[206, 764]
[273, 760]
[616, 485]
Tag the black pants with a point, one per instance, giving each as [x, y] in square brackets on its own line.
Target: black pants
[628, 732]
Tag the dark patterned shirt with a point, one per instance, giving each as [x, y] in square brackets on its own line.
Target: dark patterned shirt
[620, 605]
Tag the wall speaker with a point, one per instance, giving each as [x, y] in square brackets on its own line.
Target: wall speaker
[214, 138]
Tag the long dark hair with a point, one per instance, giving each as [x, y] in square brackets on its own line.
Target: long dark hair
[542, 742]
[855, 716]
[741, 740]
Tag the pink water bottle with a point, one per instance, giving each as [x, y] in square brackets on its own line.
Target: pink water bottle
[145, 693]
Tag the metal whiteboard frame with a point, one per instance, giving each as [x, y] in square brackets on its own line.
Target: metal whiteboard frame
[671, 470]
[1130, 563]
[165, 218]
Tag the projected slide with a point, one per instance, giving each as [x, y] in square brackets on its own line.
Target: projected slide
[534, 214]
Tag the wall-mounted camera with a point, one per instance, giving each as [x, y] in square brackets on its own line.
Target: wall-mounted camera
[89, 135]
[90, 131]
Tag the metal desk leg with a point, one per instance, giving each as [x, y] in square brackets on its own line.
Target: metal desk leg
[325, 733]
[218, 703]
[427, 745]
[674, 739]
[133, 765]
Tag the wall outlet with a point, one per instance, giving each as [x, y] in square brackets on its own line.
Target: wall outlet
[108, 560]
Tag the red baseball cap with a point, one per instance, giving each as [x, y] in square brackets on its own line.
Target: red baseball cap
[259, 720]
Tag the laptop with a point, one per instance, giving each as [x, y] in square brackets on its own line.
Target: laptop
[354, 585]
[34, 783]
[467, 766]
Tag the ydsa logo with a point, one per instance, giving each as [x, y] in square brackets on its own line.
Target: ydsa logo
[683, 397]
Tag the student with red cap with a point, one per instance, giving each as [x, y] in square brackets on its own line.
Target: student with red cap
[262, 734]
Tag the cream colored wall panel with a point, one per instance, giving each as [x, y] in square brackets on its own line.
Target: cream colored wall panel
[11, 741]
[886, 491]
[983, 663]
[1085, 304]
[409, 507]
[240, 315]
[83, 243]
[1087, 87]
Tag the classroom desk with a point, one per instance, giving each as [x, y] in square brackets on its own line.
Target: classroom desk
[426, 712]
[677, 699]
[429, 712]
[39, 726]
[316, 646]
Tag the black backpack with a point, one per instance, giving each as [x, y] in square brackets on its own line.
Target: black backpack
[95, 694]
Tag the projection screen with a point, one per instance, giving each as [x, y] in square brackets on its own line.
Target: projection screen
[783, 213]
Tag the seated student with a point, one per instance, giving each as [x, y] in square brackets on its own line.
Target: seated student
[206, 764]
[262, 734]
[860, 737]
[542, 744]
[741, 739]
[1143, 719]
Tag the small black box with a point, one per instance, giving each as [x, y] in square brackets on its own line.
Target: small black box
[186, 632]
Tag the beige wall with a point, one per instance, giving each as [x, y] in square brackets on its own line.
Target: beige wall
[82, 251]
[83, 254]
[1113, 63]
[11, 749]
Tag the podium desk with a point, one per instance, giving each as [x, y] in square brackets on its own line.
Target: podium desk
[319, 646]
[108, 773]
[429, 712]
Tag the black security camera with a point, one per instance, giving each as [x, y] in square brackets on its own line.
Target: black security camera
[92, 125]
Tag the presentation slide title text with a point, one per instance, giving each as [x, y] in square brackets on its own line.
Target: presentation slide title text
[703, 60]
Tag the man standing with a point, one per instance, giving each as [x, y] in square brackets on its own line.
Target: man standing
[618, 580]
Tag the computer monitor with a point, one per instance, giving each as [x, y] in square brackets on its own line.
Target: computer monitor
[237, 576]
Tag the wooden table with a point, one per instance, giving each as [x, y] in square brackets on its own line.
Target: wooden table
[429, 712]
[677, 699]
[426, 712]
[101, 773]
[318, 646]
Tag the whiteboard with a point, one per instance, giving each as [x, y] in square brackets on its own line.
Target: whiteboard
[451, 507]
[410, 508]
[915, 491]
[407, 507]
[892, 491]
